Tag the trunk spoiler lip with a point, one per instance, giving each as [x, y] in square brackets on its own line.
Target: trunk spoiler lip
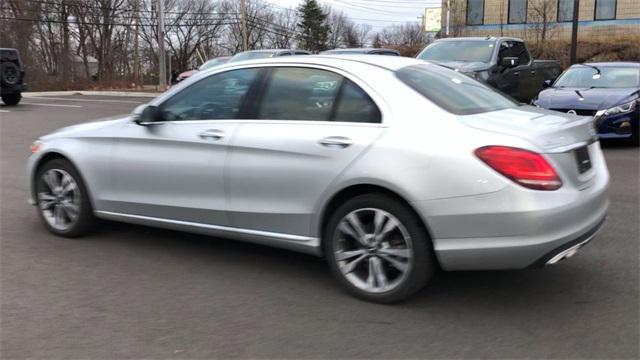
[567, 148]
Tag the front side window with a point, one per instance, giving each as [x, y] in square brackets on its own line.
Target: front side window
[296, 93]
[475, 12]
[565, 10]
[515, 49]
[605, 10]
[219, 96]
[452, 91]
[517, 11]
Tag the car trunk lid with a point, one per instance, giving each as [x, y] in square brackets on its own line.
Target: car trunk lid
[567, 140]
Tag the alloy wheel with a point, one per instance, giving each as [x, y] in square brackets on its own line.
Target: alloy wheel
[373, 250]
[59, 199]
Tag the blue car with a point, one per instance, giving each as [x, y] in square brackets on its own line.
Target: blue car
[607, 91]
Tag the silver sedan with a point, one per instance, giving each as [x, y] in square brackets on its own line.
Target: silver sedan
[388, 167]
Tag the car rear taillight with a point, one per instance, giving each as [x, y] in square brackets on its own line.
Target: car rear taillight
[525, 167]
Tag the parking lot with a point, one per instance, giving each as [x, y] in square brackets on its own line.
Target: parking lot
[136, 292]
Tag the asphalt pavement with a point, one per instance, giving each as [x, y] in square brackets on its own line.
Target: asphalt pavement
[136, 292]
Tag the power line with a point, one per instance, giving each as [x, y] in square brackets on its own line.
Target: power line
[366, 8]
[102, 23]
[83, 5]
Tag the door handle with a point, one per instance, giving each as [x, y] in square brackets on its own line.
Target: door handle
[212, 134]
[533, 72]
[336, 142]
[516, 73]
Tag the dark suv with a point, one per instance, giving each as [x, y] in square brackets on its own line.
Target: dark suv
[11, 76]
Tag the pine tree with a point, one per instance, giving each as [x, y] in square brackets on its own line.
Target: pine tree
[312, 28]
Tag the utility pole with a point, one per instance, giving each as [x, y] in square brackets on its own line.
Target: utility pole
[448, 16]
[136, 47]
[243, 20]
[66, 50]
[162, 57]
[574, 31]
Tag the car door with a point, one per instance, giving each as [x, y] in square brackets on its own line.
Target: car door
[310, 124]
[529, 79]
[509, 80]
[174, 168]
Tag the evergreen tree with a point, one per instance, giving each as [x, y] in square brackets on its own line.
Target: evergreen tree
[312, 28]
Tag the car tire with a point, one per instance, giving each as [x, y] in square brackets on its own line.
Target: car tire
[9, 73]
[402, 250]
[11, 99]
[63, 200]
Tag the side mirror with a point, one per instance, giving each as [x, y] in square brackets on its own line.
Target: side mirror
[145, 114]
[510, 62]
[547, 84]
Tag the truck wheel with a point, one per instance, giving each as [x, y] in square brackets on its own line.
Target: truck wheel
[11, 99]
[9, 73]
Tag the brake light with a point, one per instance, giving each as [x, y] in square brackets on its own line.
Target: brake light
[525, 167]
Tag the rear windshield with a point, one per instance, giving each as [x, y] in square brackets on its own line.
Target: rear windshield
[459, 50]
[9, 55]
[452, 91]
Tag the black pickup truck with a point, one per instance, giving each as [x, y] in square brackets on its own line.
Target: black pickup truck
[11, 76]
[502, 62]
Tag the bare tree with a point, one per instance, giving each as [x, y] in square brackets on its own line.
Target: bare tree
[542, 19]
[193, 23]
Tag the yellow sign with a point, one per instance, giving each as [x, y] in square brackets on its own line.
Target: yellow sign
[432, 19]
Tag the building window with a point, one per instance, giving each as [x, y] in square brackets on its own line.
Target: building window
[565, 10]
[517, 11]
[605, 10]
[475, 12]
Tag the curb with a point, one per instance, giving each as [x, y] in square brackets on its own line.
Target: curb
[94, 93]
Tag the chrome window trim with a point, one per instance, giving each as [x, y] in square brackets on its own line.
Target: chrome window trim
[378, 100]
[265, 121]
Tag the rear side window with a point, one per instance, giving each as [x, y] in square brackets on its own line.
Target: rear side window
[452, 91]
[354, 105]
[309, 94]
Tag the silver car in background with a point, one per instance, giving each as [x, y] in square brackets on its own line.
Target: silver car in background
[389, 167]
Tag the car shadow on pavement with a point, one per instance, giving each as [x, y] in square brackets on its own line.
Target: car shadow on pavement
[513, 290]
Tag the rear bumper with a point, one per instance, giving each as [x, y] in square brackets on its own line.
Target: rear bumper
[569, 249]
[514, 228]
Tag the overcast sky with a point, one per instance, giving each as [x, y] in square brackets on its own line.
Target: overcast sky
[377, 13]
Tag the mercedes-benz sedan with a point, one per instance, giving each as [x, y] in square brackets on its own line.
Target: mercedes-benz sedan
[388, 167]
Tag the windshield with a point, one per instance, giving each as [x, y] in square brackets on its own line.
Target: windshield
[470, 51]
[211, 63]
[610, 77]
[252, 55]
[452, 91]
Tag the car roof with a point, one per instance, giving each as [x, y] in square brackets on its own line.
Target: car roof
[359, 50]
[391, 63]
[268, 50]
[612, 64]
[481, 38]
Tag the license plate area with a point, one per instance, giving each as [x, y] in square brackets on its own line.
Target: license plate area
[583, 160]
